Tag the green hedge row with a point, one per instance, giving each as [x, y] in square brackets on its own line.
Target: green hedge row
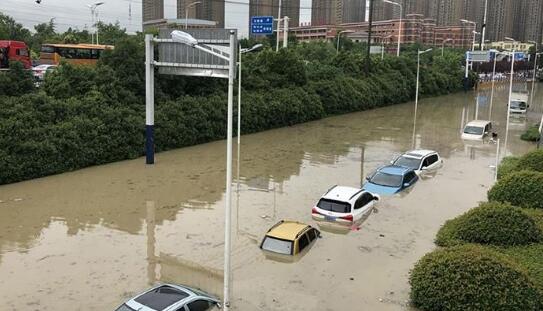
[87, 116]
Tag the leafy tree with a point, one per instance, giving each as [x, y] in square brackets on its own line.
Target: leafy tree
[11, 30]
[16, 81]
[110, 33]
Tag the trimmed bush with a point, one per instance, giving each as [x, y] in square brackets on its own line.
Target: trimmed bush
[507, 165]
[531, 134]
[523, 188]
[532, 161]
[492, 223]
[472, 278]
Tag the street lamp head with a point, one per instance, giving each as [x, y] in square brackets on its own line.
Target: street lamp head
[476, 32]
[509, 39]
[193, 4]
[425, 51]
[391, 2]
[183, 37]
[99, 3]
[256, 47]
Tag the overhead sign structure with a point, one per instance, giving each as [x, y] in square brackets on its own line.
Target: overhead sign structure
[261, 25]
[478, 56]
[376, 49]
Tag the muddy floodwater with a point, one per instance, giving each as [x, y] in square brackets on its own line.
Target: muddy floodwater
[87, 240]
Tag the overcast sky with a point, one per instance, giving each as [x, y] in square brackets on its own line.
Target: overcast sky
[75, 13]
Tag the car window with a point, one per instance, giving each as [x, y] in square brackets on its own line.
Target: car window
[364, 199]
[334, 206]
[302, 242]
[200, 305]
[312, 234]
[409, 177]
[277, 245]
[124, 308]
[432, 159]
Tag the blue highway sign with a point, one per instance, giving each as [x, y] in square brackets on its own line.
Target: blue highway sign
[262, 25]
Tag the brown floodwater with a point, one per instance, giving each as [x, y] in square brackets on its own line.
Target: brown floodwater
[89, 239]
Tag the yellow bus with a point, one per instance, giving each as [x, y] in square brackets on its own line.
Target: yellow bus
[77, 54]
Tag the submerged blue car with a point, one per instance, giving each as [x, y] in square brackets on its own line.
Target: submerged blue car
[390, 179]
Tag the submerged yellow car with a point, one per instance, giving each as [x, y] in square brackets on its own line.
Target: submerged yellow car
[289, 237]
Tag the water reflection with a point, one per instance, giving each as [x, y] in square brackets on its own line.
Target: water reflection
[128, 225]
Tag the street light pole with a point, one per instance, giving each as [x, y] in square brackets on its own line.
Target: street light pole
[475, 33]
[339, 35]
[400, 24]
[419, 53]
[443, 45]
[278, 26]
[474, 27]
[510, 92]
[483, 27]
[187, 12]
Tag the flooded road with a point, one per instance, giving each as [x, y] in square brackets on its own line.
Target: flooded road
[89, 239]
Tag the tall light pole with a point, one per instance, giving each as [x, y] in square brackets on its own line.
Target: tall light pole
[419, 53]
[443, 45]
[241, 52]
[400, 24]
[533, 75]
[339, 35]
[474, 27]
[493, 82]
[187, 12]
[187, 39]
[383, 46]
[278, 26]
[475, 33]
[510, 91]
[483, 27]
[92, 8]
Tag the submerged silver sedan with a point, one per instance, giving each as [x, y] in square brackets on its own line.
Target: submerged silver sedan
[170, 297]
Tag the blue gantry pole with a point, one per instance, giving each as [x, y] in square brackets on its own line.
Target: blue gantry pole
[149, 101]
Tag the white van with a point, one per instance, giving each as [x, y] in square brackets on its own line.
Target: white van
[519, 102]
[477, 130]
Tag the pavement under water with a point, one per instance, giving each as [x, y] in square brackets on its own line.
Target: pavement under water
[89, 239]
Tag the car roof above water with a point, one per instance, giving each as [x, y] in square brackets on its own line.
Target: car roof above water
[394, 169]
[163, 296]
[418, 153]
[478, 123]
[287, 230]
[341, 193]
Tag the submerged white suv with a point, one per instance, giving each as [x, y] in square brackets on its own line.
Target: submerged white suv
[344, 205]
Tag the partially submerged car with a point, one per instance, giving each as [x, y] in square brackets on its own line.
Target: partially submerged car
[477, 130]
[390, 179]
[419, 160]
[519, 102]
[171, 297]
[344, 205]
[289, 238]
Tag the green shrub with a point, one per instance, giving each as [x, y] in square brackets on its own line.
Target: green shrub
[472, 278]
[523, 188]
[491, 223]
[507, 165]
[532, 161]
[531, 134]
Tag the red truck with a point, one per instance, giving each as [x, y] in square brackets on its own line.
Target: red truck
[14, 51]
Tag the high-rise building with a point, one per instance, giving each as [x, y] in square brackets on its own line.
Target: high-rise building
[326, 12]
[448, 12]
[212, 10]
[290, 8]
[500, 19]
[152, 10]
[529, 26]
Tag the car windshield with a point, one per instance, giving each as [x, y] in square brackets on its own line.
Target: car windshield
[124, 308]
[334, 206]
[518, 105]
[408, 162]
[277, 246]
[387, 180]
[475, 130]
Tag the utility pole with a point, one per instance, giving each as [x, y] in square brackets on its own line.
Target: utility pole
[370, 20]
[483, 27]
[278, 27]
[285, 32]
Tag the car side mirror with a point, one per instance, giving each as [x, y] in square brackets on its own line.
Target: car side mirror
[486, 133]
[368, 177]
[406, 184]
[376, 198]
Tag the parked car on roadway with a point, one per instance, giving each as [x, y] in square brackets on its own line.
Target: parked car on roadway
[419, 160]
[477, 130]
[390, 179]
[519, 102]
[40, 71]
[344, 205]
[170, 297]
[289, 237]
